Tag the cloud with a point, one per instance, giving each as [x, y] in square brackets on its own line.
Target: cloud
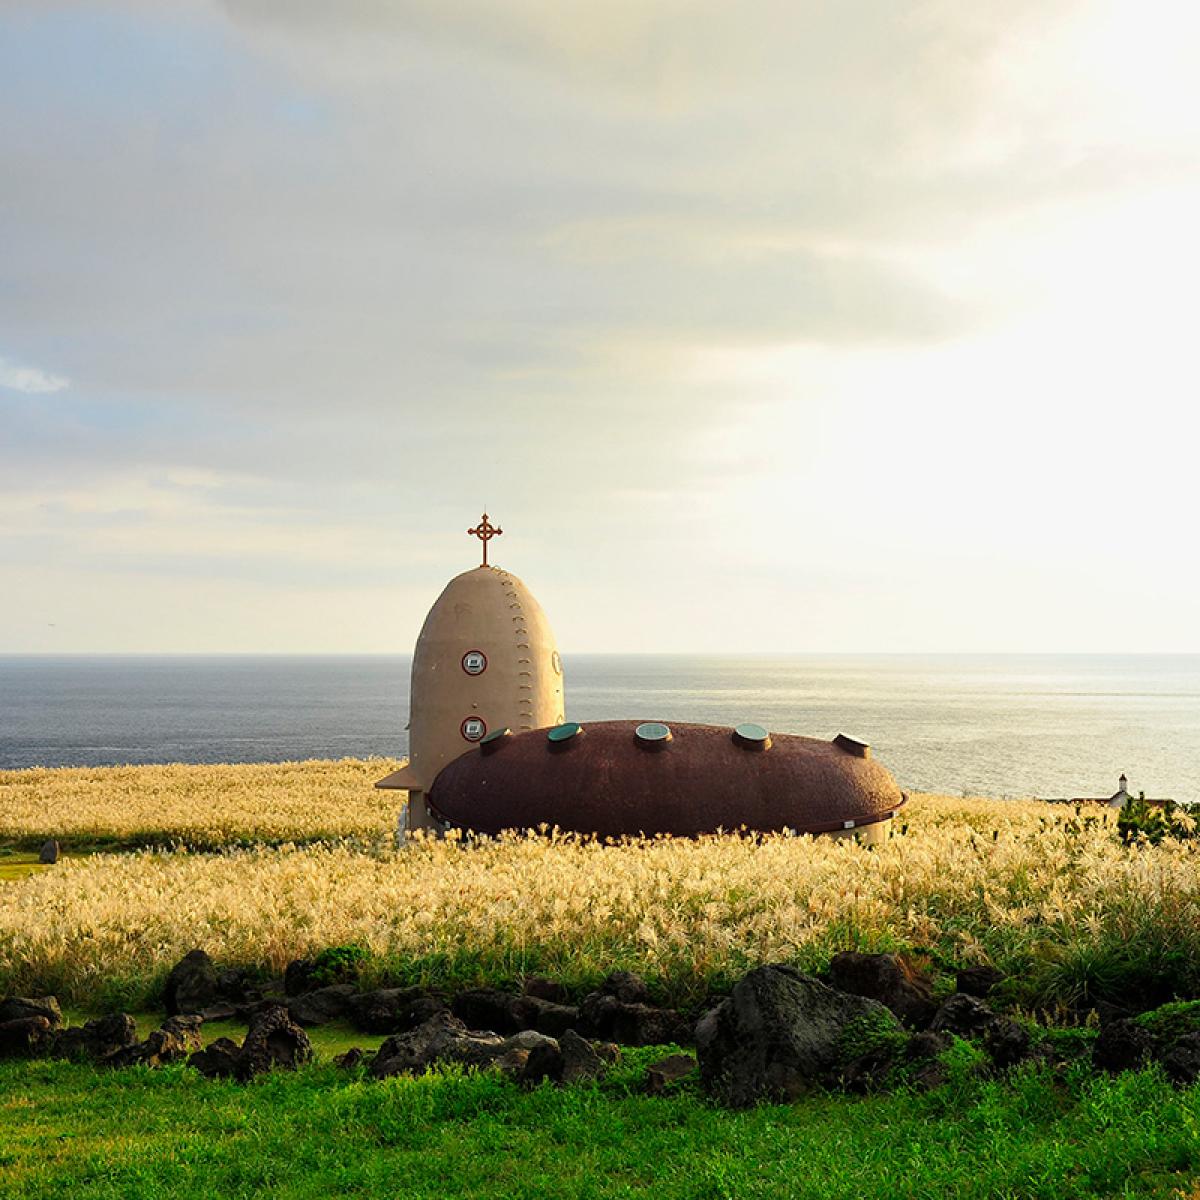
[30, 380]
[336, 275]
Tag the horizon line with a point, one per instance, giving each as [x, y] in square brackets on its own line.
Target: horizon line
[615, 653]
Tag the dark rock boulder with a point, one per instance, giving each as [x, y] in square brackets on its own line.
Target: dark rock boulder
[97, 1038]
[444, 1038]
[544, 989]
[16, 1008]
[609, 1052]
[569, 1059]
[392, 1010]
[527, 1040]
[495, 1010]
[645, 1025]
[888, 979]
[598, 1014]
[632, 1023]
[218, 1060]
[506, 1012]
[413, 1051]
[192, 985]
[963, 1015]
[49, 853]
[321, 1006]
[923, 1052]
[418, 1012]
[547, 1016]
[1006, 1042]
[1182, 1061]
[514, 1063]
[177, 1037]
[930, 1074]
[977, 981]
[298, 977]
[273, 1040]
[175, 1040]
[600, 1010]
[580, 1059]
[1122, 1045]
[780, 1032]
[927, 1045]
[626, 987]
[352, 1058]
[24, 1037]
[543, 1062]
[674, 1068]
[1105, 1010]
[238, 987]
[869, 1072]
[224, 1011]
[1172, 1021]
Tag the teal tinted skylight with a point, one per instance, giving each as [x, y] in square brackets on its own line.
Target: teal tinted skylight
[652, 731]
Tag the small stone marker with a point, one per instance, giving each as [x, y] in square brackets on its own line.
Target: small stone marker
[49, 852]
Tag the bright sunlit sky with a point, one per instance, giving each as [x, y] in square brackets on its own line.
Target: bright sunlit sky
[844, 326]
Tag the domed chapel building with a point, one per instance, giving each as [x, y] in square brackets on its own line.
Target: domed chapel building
[485, 665]
[491, 748]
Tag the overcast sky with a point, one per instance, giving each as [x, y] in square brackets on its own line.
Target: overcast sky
[850, 326]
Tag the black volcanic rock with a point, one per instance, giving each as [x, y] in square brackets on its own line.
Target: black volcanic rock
[323, 1005]
[885, 978]
[1122, 1045]
[392, 1010]
[97, 1038]
[963, 1015]
[273, 1040]
[192, 986]
[17, 1008]
[978, 981]
[778, 1034]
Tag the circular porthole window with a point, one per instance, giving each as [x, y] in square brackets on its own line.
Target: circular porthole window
[752, 737]
[652, 734]
[491, 742]
[473, 729]
[556, 663]
[474, 662]
[564, 733]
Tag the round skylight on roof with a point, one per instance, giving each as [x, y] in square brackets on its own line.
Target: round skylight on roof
[752, 737]
[492, 742]
[653, 733]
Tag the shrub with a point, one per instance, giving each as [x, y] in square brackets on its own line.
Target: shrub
[339, 964]
[1139, 819]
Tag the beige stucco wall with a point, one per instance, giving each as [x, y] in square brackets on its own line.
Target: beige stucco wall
[490, 611]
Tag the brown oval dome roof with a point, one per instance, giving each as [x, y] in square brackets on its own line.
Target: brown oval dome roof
[609, 781]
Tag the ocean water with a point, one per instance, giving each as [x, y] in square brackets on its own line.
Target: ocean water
[1039, 725]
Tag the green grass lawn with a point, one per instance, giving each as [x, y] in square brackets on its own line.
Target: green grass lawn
[327, 1040]
[71, 1130]
[19, 864]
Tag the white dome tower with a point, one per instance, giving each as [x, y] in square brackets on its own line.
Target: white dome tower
[485, 661]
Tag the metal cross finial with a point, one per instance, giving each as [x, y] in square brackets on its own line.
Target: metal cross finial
[485, 532]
